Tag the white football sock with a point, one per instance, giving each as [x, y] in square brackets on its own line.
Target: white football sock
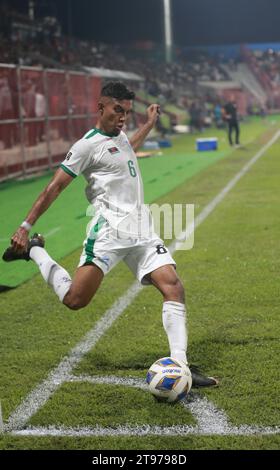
[174, 322]
[56, 276]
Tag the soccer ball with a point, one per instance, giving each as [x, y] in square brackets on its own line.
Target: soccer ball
[169, 380]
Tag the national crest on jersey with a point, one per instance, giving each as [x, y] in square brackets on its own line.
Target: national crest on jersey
[113, 150]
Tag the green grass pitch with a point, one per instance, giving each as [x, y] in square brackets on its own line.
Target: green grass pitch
[232, 283]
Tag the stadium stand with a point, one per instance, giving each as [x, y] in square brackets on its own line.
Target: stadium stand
[265, 65]
[49, 85]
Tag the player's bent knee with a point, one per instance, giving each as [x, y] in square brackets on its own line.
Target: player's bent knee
[74, 302]
[75, 305]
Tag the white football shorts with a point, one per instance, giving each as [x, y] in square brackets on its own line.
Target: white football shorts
[105, 248]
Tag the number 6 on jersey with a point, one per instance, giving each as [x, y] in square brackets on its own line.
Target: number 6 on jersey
[131, 167]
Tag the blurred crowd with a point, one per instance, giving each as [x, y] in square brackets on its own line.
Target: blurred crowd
[268, 62]
[40, 43]
[266, 66]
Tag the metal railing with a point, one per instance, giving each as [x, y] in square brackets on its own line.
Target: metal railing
[42, 112]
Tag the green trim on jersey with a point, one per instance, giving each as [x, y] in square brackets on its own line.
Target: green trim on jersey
[69, 172]
[91, 133]
[95, 131]
[89, 249]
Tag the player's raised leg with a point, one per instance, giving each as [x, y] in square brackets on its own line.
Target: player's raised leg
[75, 293]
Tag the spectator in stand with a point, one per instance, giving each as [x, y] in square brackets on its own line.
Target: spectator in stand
[231, 117]
[40, 112]
[29, 98]
[41, 43]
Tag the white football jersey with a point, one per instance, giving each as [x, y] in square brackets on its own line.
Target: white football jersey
[110, 167]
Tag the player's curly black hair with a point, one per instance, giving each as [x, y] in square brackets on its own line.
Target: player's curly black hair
[117, 90]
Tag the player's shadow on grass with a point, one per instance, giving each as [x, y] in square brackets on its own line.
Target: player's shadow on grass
[206, 354]
[5, 288]
[134, 362]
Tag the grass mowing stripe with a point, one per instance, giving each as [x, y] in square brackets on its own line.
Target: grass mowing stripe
[41, 394]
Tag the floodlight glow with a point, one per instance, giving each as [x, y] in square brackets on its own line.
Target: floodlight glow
[167, 29]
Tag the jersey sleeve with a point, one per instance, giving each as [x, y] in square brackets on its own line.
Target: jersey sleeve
[77, 159]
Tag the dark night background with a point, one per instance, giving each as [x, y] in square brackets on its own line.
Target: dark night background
[195, 22]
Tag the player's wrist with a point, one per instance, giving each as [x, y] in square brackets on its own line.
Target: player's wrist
[151, 122]
[26, 225]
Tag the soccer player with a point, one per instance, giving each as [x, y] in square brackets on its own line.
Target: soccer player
[107, 160]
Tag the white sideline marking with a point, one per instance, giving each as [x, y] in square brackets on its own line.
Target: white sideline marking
[110, 380]
[39, 396]
[141, 431]
[52, 232]
[210, 420]
[1, 420]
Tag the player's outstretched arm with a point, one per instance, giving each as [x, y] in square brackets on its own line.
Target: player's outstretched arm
[140, 135]
[59, 182]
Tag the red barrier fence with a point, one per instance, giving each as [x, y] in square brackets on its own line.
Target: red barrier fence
[42, 112]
